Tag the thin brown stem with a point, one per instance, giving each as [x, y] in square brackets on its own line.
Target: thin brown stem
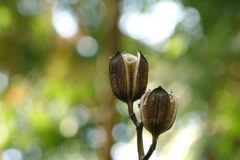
[140, 141]
[139, 128]
[151, 148]
[131, 113]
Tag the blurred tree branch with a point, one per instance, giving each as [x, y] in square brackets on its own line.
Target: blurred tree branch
[109, 48]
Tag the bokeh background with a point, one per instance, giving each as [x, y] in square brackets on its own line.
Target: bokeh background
[55, 98]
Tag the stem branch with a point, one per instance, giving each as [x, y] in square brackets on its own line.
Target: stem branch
[140, 141]
[151, 148]
[139, 128]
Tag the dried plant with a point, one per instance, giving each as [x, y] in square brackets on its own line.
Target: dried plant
[128, 78]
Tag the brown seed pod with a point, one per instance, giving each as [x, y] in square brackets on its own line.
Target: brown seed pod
[158, 110]
[128, 76]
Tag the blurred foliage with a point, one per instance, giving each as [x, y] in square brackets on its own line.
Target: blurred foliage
[56, 103]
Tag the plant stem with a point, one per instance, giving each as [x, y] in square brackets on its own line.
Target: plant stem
[140, 141]
[151, 148]
[139, 128]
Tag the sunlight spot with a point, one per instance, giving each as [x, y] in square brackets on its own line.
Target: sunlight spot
[93, 137]
[65, 24]
[52, 109]
[69, 127]
[122, 132]
[122, 151]
[191, 22]
[121, 108]
[3, 81]
[90, 3]
[87, 46]
[81, 113]
[33, 151]
[29, 7]
[12, 154]
[153, 26]
[4, 133]
[191, 17]
[73, 2]
[133, 5]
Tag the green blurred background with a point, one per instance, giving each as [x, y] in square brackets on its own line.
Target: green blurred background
[55, 98]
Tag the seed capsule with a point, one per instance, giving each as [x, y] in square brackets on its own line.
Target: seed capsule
[158, 110]
[128, 76]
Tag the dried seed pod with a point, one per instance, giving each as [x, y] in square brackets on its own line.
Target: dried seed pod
[158, 110]
[128, 76]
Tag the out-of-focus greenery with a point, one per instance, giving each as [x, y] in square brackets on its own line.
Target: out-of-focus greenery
[56, 102]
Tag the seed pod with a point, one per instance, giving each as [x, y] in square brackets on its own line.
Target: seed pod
[158, 110]
[128, 76]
